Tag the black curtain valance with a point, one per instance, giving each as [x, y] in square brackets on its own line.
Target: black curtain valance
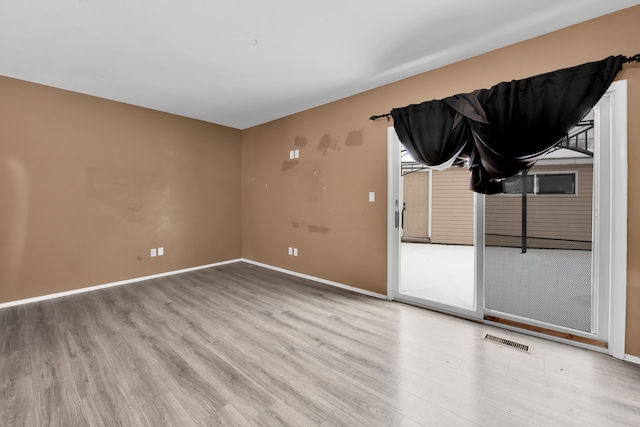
[505, 129]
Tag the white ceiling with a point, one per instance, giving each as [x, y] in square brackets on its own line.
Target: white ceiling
[240, 63]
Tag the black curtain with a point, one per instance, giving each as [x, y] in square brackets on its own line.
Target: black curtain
[505, 129]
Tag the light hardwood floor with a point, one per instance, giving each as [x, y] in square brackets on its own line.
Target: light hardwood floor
[240, 345]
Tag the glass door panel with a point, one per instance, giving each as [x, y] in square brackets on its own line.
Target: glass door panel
[435, 242]
[539, 240]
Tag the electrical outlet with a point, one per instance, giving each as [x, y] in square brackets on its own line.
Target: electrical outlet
[296, 154]
[372, 196]
[160, 251]
[292, 154]
[153, 252]
[295, 251]
[290, 250]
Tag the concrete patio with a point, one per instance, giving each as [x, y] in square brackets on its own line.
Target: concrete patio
[549, 285]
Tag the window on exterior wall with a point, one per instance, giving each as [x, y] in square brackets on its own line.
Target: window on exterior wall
[542, 183]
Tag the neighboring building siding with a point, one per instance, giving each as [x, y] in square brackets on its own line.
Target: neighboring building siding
[415, 193]
[453, 207]
[553, 222]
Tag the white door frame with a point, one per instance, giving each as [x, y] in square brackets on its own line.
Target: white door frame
[618, 214]
[393, 212]
[617, 279]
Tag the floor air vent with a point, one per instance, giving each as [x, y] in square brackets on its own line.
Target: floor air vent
[508, 343]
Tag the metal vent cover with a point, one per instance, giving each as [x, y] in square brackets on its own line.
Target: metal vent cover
[508, 343]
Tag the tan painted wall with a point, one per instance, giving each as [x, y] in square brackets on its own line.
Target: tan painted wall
[327, 189]
[566, 218]
[88, 185]
[319, 202]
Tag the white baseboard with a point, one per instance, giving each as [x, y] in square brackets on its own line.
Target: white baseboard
[627, 357]
[632, 359]
[110, 285]
[317, 279]
[185, 270]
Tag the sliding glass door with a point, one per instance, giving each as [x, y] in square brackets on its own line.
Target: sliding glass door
[541, 264]
[548, 254]
[436, 236]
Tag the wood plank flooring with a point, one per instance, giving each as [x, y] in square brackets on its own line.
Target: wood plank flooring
[240, 345]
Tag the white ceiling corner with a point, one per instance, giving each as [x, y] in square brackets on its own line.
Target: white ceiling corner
[246, 62]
